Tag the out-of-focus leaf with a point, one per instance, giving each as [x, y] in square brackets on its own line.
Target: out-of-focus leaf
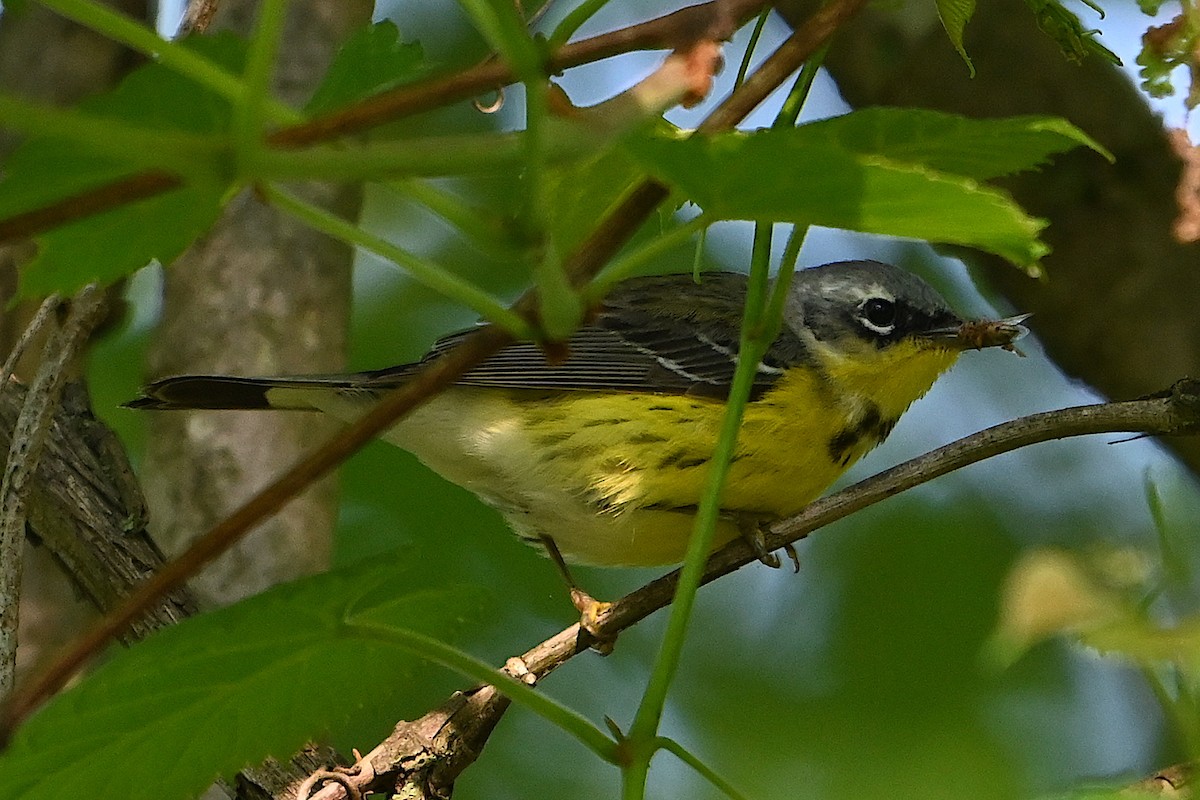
[374, 58]
[950, 143]
[232, 687]
[1061, 25]
[108, 246]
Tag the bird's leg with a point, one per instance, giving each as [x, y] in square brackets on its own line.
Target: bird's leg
[588, 607]
[751, 527]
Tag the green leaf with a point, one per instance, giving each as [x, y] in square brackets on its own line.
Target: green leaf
[584, 191]
[955, 14]
[229, 688]
[373, 59]
[111, 245]
[1155, 72]
[1061, 25]
[43, 169]
[974, 148]
[809, 175]
[107, 247]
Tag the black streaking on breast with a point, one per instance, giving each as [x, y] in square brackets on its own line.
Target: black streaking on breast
[870, 430]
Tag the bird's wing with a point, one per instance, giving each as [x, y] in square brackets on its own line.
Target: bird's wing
[663, 334]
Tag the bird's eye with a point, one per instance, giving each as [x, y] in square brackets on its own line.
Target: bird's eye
[879, 315]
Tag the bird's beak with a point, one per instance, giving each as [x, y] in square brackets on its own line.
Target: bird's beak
[976, 334]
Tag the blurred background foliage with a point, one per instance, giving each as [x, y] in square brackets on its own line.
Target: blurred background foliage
[863, 675]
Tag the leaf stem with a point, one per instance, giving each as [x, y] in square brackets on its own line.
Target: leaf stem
[178, 151]
[630, 263]
[425, 272]
[432, 156]
[776, 306]
[573, 21]
[560, 309]
[485, 231]
[794, 102]
[250, 108]
[506, 32]
[645, 724]
[452, 658]
[755, 35]
[679, 751]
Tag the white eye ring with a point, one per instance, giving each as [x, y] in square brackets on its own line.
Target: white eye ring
[878, 314]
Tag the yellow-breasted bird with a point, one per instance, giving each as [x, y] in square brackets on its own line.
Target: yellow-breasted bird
[604, 455]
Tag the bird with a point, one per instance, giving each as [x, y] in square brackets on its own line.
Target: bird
[600, 458]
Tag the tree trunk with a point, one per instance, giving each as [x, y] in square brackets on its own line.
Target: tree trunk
[259, 294]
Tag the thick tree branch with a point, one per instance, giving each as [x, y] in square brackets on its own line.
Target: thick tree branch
[423, 757]
[25, 450]
[86, 508]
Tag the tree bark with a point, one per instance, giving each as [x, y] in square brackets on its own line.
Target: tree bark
[259, 294]
[48, 58]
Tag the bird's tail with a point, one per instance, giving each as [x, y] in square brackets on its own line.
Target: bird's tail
[222, 392]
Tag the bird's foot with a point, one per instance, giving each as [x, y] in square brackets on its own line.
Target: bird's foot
[590, 609]
[753, 530]
[590, 612]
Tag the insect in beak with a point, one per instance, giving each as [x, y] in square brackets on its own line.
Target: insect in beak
[980, 333]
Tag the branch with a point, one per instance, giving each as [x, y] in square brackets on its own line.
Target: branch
[717, 20]
[197, 17]
[424, 756]
[85, 508]
[28, 442]
[1175, 781]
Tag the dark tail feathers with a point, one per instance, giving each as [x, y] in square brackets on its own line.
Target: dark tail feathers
[207, 391]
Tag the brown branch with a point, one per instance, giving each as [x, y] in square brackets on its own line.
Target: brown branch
[25, 450]
[717, 19]
[88, 203]
[86, 508]
[424, 756]
[1174, 781]
[197, 17]
[34, 329]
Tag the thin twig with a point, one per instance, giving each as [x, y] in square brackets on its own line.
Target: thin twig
[675, 31]
[28, 441]
[88, 203]
[668, 32]
[463, 717]
[1175, 781]
[197, 17]
[35, 326]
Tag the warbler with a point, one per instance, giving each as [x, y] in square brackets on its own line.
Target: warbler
[602, 457]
